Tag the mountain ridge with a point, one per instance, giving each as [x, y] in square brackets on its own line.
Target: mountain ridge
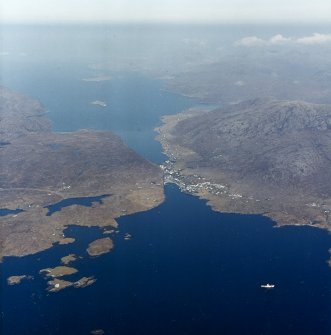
[261, 148]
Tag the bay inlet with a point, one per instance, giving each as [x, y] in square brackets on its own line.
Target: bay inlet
[186, 269]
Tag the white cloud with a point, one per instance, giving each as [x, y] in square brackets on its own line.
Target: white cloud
[278, 39]
[250, 41]
[315, 39]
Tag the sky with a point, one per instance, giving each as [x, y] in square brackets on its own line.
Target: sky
[165, 10]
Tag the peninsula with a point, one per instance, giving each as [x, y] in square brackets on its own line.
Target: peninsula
[40, 168]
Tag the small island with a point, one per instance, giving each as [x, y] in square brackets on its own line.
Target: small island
[66, 240]
[57, 285]
[100, 246]
[68, 259]
[14, 280]
[99, 103]
[127, 236]
[59, 271]
[84, 282]
[109, 232]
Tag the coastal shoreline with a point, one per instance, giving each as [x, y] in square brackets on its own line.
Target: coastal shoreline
[224, 196]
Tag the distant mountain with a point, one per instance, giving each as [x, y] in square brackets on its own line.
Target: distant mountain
[284, 76]
[262, 149]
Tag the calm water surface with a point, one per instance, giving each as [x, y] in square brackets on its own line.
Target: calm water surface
[187, 269]
[135, 102]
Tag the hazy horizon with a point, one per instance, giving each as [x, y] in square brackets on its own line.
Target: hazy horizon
[170, 11]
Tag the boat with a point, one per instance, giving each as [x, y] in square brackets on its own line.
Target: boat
[268, 286]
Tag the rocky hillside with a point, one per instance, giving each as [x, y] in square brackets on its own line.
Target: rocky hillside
[285, 143]
[276, 153]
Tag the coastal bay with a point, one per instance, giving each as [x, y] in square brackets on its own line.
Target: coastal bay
[186, 269]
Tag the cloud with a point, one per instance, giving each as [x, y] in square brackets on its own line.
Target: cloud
[315, 39]
[251, 41]
[279, 39]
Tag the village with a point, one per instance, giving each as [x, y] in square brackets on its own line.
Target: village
[193, 184]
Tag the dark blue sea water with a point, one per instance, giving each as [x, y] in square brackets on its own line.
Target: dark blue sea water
[186, 270]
